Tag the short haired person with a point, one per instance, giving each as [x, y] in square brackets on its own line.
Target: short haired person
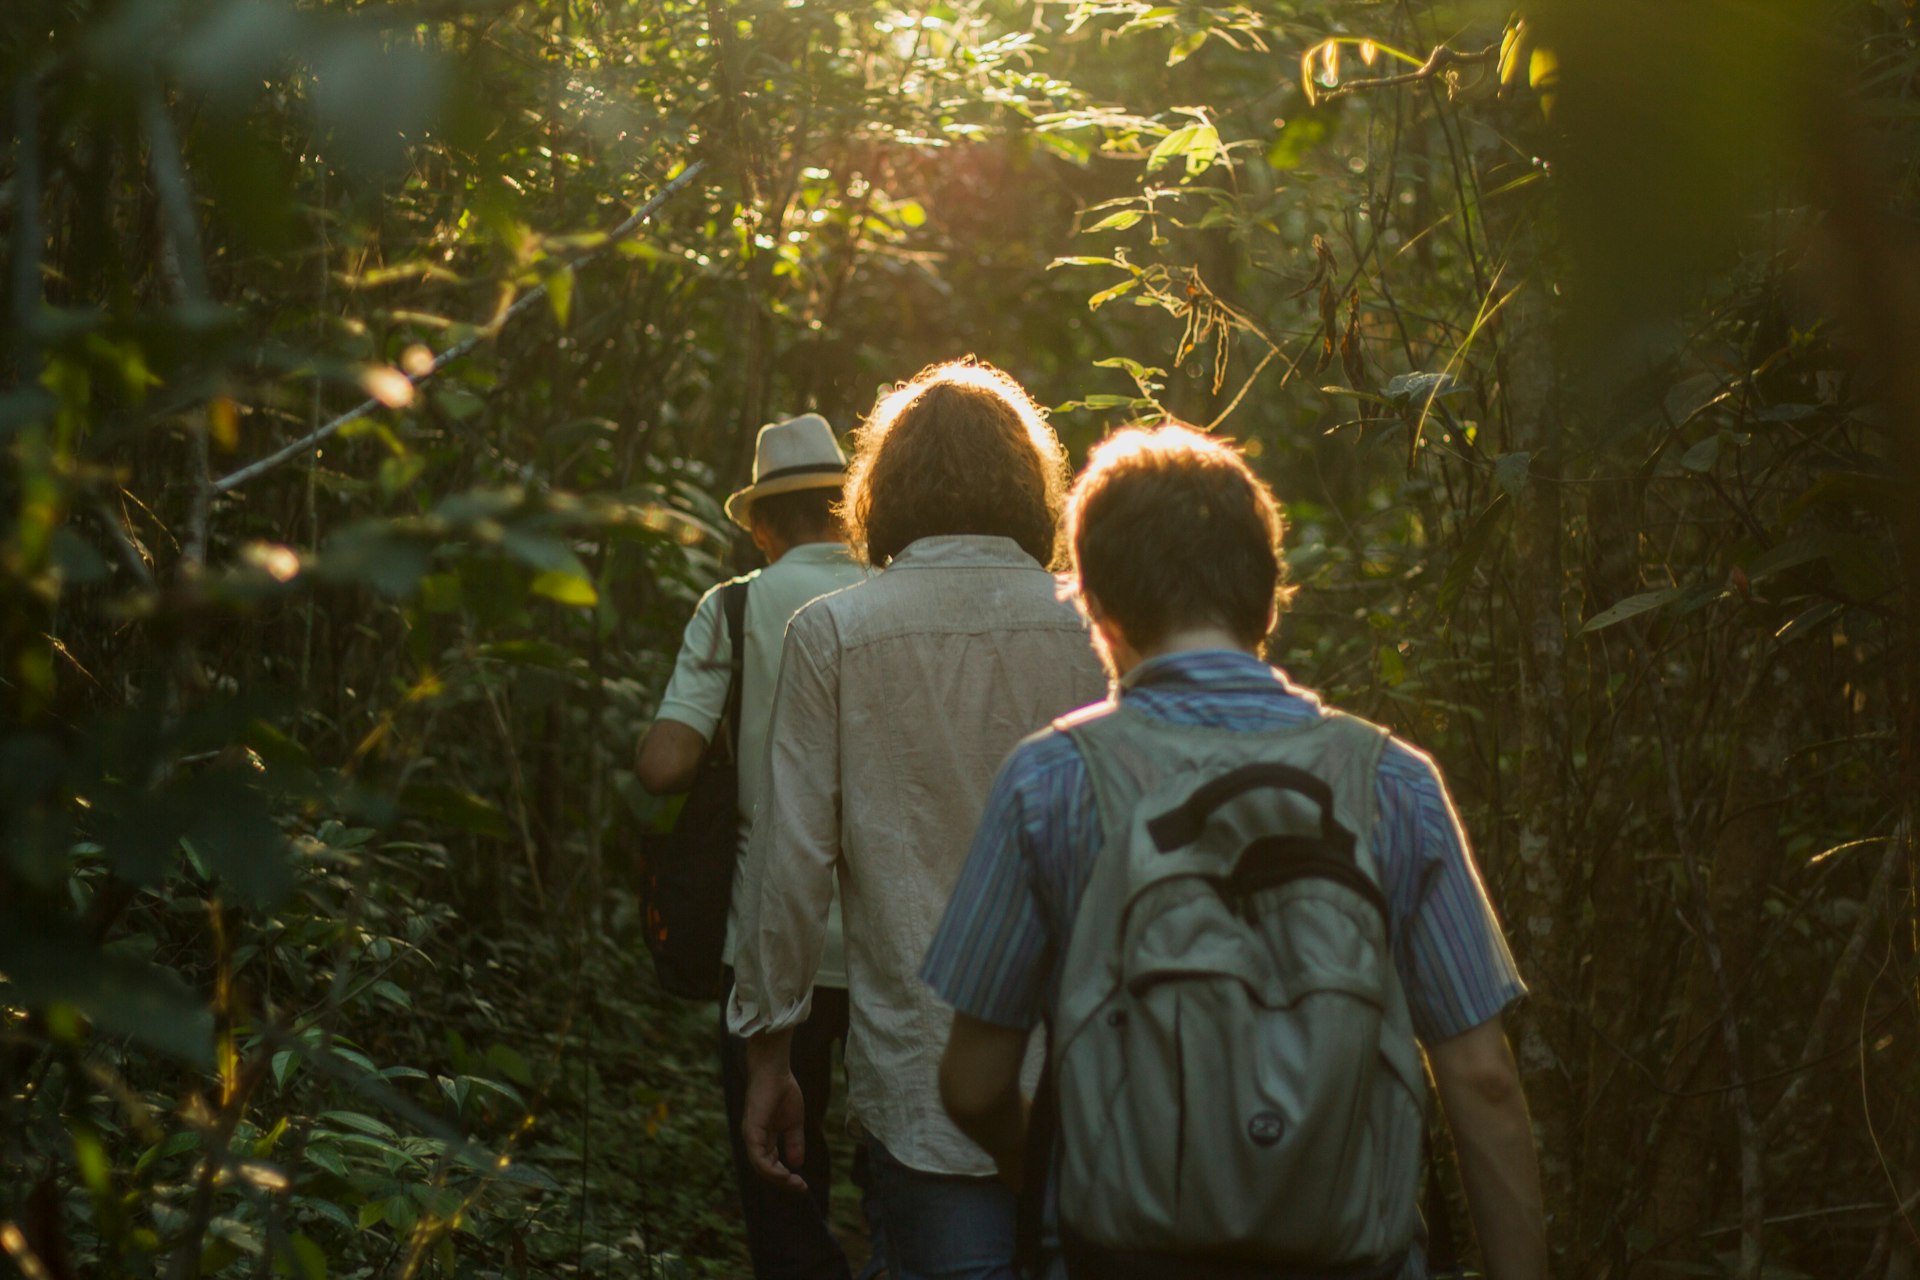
[898, 699]
[789, 510]
[1176, 545]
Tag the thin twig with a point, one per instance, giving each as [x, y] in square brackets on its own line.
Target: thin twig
[1828, 1011]
[1439, 60]
[1752, 1187]
[460, 349]
[190, 272]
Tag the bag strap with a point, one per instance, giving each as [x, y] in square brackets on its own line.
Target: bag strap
[1443, 1251]
[1030, 1204]
[733, 604]
[1182, 825]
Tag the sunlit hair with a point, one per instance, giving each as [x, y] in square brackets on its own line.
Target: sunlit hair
[1169, 529]
[959, 449]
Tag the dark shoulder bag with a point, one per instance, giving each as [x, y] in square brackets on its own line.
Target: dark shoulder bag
[688, 872]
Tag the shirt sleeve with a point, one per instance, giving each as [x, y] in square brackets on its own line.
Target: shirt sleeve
[991, 956]
[696, 693]
[786, 878]
[1453, 959]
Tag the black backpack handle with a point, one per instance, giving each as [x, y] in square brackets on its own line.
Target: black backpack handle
[1182, 824]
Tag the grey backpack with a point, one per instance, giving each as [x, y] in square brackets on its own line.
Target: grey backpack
[1236, 1070]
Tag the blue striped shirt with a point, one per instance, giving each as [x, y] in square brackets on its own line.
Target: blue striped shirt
[1000, 947]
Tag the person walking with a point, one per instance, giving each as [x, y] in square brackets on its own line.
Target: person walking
[1238, 910]
[898, 698]
[790, 512]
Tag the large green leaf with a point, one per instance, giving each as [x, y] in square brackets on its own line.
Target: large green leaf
[49, 961]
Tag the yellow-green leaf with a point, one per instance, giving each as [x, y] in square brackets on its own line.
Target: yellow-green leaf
[1108, 295]
[567, 588]
[1543, 69]
[1185, 47]
[560, 295]
[1116, 221]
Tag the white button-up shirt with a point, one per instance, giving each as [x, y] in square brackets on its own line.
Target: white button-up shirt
[898, 699]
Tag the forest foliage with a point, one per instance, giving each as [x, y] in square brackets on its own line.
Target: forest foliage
[1577, 338]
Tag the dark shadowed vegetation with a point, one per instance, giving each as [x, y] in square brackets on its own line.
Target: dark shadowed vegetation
[1582, 340]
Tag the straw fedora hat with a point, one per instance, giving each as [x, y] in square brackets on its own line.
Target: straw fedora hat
[799, 453]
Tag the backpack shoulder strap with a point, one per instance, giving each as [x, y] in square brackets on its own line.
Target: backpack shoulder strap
[733, 605]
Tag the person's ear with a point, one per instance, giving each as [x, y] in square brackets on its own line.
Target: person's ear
[762, 534]
[1112, 638]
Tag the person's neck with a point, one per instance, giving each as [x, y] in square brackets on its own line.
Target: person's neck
[811, 540]
[1190, 640]
[815, 539]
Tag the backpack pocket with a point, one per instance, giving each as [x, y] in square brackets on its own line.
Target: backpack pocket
[1247, 1107]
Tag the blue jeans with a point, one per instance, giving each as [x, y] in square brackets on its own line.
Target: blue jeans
[942, 1226]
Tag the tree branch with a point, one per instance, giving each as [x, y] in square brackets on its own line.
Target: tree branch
[1439, 60]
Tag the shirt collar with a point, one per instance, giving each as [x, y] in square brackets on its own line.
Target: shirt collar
[1208, 670]
[818, 553]
[963, 551]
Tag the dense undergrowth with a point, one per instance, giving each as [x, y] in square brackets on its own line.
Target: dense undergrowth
[1577, 340]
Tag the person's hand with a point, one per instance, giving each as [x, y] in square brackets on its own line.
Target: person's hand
[774, 1126]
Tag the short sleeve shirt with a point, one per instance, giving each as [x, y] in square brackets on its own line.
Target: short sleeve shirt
[999, 950]
[696, 695]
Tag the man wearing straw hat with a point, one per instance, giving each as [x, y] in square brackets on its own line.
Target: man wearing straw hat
[790, 511]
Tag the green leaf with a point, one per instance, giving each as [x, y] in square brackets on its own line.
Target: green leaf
[323, 1155]
[532, 653]
[437, 802]
[397, 473]
[1139, 372]
[1108, 295]
[542, 551]
[1631, 607]
[1112, 222]
[391, 992]
[360, 1123]
[560, 295]
[402, 1213]
[567, 588]
[1411, 389]
[1173, 145]
[236, 835]
[176, 1144]
[372, 554]
[1367, 396]
[1790, 555]
[1186, 46]
[1473, 545]
[49, 961]
[911, 213]
[1300, 135]
[1102, 401]
[509, 1062]
[303, 1260]
[1702, 455]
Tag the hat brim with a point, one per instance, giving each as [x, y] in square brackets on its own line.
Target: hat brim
[740, 504]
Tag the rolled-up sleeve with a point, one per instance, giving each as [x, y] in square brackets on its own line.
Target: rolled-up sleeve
[1453, 958]
[696, 695]
[786, 884]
